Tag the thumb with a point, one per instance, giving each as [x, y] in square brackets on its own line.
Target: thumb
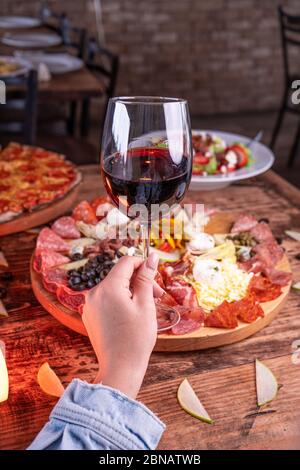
[143, 281]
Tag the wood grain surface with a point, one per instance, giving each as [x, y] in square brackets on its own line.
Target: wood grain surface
[223, 377]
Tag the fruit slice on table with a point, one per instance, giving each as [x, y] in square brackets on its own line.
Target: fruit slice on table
[293, 234]
[189, 401]
[266, 384]
[296, 286]
[49, 382]
[3, 375]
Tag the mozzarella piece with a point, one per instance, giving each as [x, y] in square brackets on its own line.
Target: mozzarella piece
[216, 281]
[201, 242]
[207, 271]
[116, 217]
[231, 157]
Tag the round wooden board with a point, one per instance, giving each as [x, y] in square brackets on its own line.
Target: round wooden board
[203, 338]
[44, 215]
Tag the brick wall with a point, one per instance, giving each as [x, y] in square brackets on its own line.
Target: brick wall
[223, 55]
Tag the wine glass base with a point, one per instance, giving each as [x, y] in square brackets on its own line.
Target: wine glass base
[167, 317]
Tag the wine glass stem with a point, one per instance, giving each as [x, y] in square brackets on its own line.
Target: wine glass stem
[145, 240]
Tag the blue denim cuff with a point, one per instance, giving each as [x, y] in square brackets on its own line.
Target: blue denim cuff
[126, 423]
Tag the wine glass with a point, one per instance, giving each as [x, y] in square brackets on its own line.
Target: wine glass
[146, 162]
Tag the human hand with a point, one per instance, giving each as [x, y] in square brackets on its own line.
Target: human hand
[120, 318]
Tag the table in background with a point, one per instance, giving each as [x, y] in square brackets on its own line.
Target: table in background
[224, 377]
[69, 86]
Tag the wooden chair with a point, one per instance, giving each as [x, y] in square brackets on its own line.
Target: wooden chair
[74, 39]
[104, 63]
[18, 115]
[290, 37]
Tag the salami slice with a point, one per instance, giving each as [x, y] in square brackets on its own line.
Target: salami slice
[53, 278]
[84, 212]
[244, 223]
[248, 309]
[71, 299]
[263, 290]
[191, 320]
[65, 227]
[223, 316]
[49, 240]
[46, 259]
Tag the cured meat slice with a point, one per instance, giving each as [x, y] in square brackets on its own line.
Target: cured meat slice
[262, 233]
[268, 253]
[49, 240]
[191, 319]
[244, 223]
[65, 227]
[223, 316]
[71, 299]
[280, 278]
[263, 289]
[247, 309]
[183, 293]
[53, 278]
[84, 212]
[46, 259]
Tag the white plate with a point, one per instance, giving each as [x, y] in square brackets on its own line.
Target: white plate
[23, 66]
[29, 40]
[263, 160]
[19, 22]
[56, 63]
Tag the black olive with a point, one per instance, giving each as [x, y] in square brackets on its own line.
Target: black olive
[97, 280]
[84, 276]
[2, 292]
[298, 256]
[75, 280]
[279, 240]
[100, 258]
[79, 287]
[93, 263]
[6, 276]
[265, 220]
[107, 263]
[91, 283]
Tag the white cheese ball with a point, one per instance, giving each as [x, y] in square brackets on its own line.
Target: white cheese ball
[116, 217]
[201, 242]
[207, 271]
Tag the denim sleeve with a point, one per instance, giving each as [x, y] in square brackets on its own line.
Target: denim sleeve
[90, 416]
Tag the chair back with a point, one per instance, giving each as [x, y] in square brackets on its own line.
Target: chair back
[19, 114]
[105, 63]
[72, 36]
[290, 36]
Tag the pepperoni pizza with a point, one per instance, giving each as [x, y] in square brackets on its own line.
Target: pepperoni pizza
[30, 178]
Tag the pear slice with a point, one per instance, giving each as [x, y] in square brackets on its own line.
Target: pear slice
[296, 286]
[266, 383]
[293, 234]
[49, 382]
[4, 382]
[190, 403]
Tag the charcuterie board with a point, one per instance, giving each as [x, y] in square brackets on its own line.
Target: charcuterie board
[44, 214]
[203, 338]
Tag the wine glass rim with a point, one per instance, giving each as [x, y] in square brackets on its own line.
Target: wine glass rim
[152, 100]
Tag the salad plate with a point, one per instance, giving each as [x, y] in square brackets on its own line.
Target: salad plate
[222, 158]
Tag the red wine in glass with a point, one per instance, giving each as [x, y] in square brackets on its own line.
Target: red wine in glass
[146, 159]
[148, 177]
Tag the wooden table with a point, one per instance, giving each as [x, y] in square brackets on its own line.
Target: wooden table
[223, 378]
[75, 85]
